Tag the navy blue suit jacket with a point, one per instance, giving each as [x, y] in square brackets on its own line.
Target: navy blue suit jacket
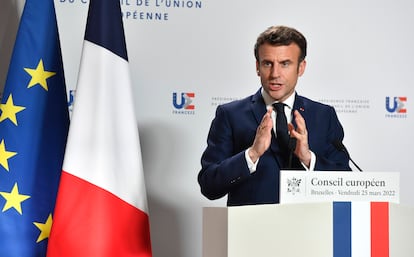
[224, 169]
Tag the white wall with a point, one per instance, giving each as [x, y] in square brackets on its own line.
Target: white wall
[360, 52]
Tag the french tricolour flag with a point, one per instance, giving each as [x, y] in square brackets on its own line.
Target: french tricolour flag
[101, 207]
[361, 229]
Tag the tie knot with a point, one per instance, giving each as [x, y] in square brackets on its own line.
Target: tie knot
[279, 107]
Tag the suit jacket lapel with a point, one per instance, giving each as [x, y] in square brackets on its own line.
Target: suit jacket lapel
[299, 106]
[258, 106]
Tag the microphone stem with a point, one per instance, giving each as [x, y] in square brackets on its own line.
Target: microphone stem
[355, 164]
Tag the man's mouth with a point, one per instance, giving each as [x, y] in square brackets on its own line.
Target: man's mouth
[275, 86]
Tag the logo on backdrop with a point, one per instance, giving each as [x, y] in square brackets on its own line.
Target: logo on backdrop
[395, 107]
[147, 10]
[348, 105]
[155, 10]
[183, 103]
[71, 100]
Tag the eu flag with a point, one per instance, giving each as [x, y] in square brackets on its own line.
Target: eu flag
[34, 122]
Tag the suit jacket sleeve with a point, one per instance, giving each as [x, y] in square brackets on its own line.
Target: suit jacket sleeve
[223, 162]
[324, 128]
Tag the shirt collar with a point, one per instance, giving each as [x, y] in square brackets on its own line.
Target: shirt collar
[269, 100]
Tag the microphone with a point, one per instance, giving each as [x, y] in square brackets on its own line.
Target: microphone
[340, 147]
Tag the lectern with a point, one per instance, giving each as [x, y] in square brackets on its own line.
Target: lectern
[310, 229]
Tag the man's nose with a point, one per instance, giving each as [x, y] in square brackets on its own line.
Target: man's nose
[275, 71]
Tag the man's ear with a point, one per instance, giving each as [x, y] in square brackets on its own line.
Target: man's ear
[301, 68]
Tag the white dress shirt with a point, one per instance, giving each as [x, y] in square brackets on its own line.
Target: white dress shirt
[289, 116]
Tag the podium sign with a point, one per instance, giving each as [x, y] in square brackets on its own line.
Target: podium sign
[322, 186]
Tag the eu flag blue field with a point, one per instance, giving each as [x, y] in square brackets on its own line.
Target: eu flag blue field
[34, 122]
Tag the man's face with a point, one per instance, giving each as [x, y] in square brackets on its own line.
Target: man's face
[279, 69]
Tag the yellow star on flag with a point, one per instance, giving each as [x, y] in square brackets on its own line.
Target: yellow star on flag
[9, 110]
[14, 199]
[44, 228]
[5, 155]
[39, 75]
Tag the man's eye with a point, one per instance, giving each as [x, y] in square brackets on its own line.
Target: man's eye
[285, 64]
[267, 64]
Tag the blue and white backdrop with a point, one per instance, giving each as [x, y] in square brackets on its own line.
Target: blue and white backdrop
[188, 56]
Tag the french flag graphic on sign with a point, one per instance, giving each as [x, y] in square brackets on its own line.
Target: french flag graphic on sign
[361, 229]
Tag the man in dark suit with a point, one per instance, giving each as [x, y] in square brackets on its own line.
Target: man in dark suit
[246, 145]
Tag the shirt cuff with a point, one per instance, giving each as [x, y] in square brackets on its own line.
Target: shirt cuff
[312, 163]
[250, 164]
